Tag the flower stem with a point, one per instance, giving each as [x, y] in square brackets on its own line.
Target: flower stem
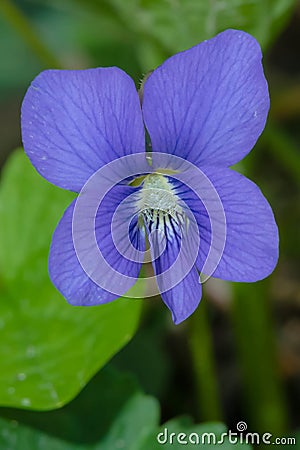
[283, 149]
[257, 354]
[19, 22]
[201, 349]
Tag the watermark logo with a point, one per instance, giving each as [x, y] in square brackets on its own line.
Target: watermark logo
[238, 436]
[117, 173]
[241, 426]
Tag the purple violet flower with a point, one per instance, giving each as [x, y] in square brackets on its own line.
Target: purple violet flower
[204, 109]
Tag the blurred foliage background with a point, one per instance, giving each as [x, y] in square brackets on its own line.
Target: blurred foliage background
[238, 357]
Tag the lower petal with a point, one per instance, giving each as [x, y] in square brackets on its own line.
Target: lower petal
[173, 258]
[183, 299]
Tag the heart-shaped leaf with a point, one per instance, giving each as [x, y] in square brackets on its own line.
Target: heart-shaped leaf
[48, 349]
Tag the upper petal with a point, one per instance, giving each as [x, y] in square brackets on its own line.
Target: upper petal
[208, 104]
[76, 121]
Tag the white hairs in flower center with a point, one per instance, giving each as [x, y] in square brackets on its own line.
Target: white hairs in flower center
[158, 204]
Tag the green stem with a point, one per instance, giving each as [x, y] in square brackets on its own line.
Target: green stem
[201, 349]
[19, 22]
[283, 149]
[256, 348]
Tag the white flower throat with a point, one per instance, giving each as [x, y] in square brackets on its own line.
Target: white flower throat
[158, 204]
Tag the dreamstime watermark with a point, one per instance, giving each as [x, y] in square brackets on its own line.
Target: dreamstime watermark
[239, 436]
[102, 183]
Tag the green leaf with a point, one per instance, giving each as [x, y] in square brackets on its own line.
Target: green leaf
[137, 419]
[17, 437]
[208, 436]
[134, 421]
[88, 417]
[48, 348]
[134, 428]
[111, 413]
[177, 25]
